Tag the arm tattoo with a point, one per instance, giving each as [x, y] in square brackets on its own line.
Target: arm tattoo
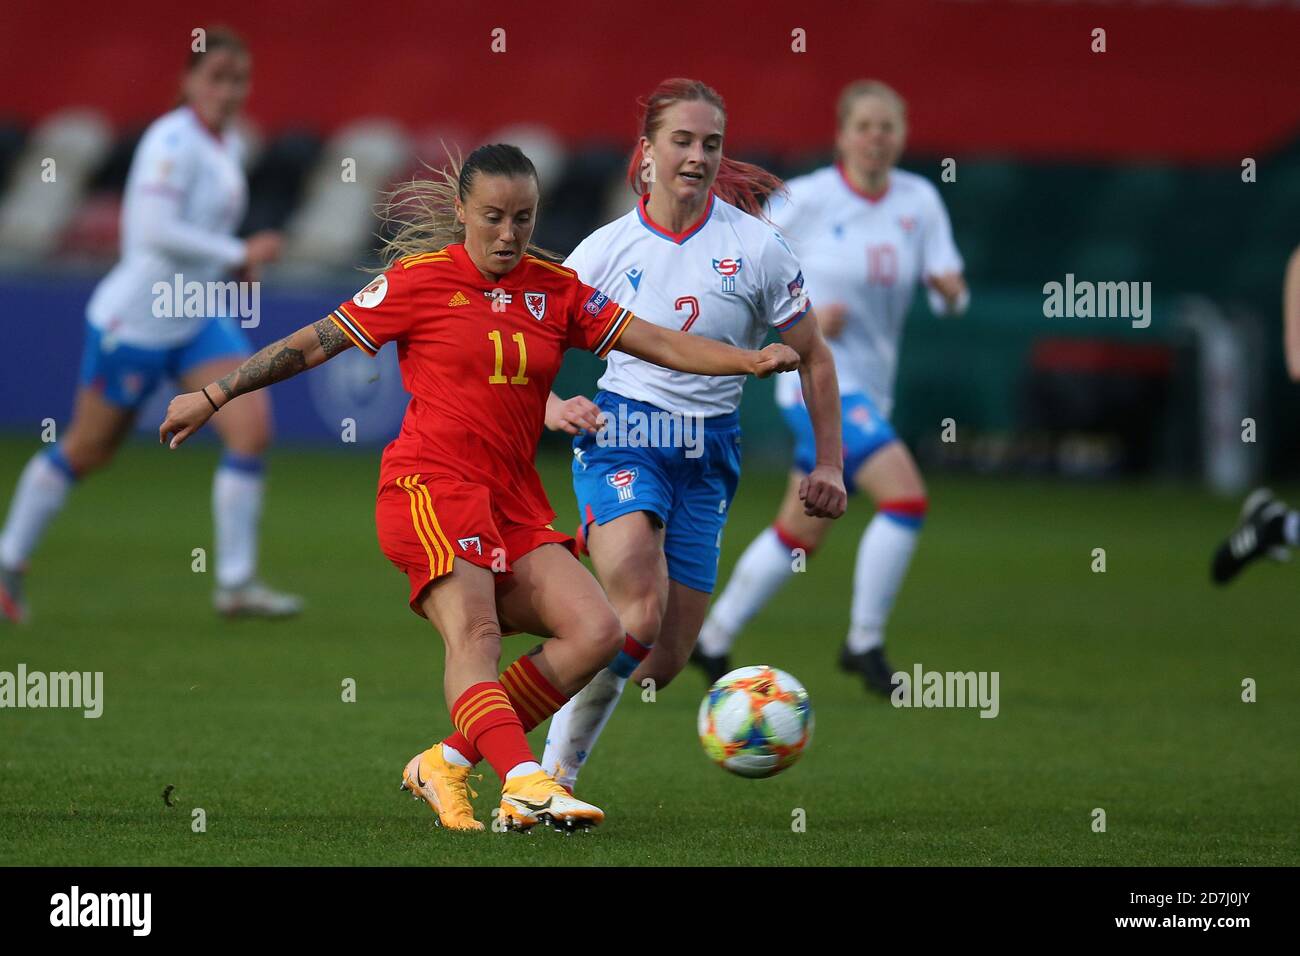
[274, 363]
[332, 339]
[281, 360]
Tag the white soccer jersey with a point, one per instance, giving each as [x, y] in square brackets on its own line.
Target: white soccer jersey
[185, 195]
[867, 254]
[729, 277]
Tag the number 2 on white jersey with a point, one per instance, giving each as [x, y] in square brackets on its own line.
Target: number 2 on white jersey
[693, 304]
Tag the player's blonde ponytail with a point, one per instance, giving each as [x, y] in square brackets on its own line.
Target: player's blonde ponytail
[420, 216]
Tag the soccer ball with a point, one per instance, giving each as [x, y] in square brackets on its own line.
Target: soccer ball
[755, 721]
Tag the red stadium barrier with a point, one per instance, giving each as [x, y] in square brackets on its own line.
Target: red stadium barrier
[1176, 81]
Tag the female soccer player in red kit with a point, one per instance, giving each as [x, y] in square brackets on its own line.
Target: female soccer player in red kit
[481, 327]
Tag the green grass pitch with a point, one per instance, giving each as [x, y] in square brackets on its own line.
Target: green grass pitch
[1119, 690]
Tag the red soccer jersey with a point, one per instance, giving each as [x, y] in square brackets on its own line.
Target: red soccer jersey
[478, 358]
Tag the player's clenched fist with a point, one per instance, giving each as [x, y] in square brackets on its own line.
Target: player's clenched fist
[775, 358]
[185, 415]
[572, 415]
[822, 492]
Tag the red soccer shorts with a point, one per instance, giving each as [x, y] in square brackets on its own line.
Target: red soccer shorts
[426, 525]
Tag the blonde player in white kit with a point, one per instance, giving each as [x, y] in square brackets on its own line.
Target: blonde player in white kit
[867, 234]
[185, 196]
[652, 506]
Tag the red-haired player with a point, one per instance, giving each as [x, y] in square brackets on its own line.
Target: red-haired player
[693, 255]
[481, 328]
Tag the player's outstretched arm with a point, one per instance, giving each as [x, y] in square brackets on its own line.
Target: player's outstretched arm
[822, 491]
[701, 356]
[308, 347]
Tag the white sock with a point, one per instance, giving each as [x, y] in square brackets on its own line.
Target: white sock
[42, 489]
[236, 510]
[454, 757]
[1291, 528]
[523, 769]
[575, 726]
[761, 571]
[884, 553]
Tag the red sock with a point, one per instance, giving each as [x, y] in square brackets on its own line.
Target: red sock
[790, 542]
[462, 746]
[533, 697]
[484, 717]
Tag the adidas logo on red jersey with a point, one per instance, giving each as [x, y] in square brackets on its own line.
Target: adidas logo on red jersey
[458, 299]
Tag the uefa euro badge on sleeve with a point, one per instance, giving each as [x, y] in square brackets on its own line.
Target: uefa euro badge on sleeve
[373, 294]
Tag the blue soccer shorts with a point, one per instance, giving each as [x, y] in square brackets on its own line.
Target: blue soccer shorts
[865, 431]
[688, 485]
[128, 374]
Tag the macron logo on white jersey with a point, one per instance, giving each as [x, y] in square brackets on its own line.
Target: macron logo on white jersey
[634, 277]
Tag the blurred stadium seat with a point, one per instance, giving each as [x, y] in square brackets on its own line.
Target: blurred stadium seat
[92, 235]
[36, 209]
[330, 227]
[540, 145]
[576, 201]
[276, 183]
[12, 136]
